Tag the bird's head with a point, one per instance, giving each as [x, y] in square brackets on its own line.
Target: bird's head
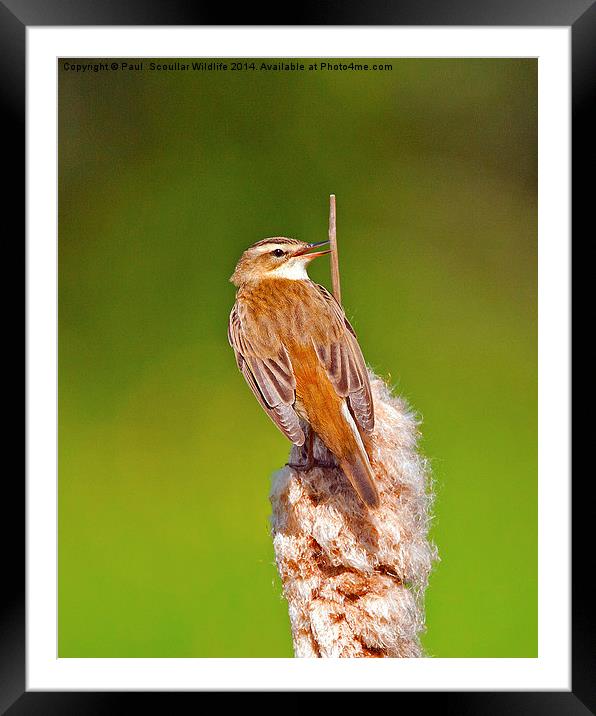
[277, 257]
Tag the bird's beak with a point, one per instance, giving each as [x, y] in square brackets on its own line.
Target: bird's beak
[304, 251]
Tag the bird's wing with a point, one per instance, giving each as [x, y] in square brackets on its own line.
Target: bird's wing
[342, 358]
[270, 378]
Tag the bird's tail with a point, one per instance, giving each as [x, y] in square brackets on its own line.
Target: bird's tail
[359, 472]
[341, 436]
[355, 463]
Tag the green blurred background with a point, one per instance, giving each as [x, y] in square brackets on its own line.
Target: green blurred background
[165, 456]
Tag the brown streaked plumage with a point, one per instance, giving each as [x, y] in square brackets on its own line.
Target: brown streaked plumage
[300, 356]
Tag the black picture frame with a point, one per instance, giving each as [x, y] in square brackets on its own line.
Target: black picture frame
[15, 16]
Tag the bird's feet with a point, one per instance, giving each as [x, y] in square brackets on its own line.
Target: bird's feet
[311, 455]
[305, 455]
[309, 465]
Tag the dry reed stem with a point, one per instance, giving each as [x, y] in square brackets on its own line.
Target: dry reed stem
[355, 579]
[335, 283]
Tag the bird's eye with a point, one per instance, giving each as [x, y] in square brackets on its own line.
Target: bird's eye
[278, 253]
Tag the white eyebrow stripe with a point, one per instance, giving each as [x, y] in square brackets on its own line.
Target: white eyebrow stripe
[266, 248]
[272, 245]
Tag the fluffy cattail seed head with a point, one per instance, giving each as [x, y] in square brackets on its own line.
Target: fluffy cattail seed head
[355, 578]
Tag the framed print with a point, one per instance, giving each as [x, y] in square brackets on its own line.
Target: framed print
[166, 155]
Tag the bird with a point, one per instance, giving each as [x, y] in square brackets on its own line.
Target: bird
[301, 358]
